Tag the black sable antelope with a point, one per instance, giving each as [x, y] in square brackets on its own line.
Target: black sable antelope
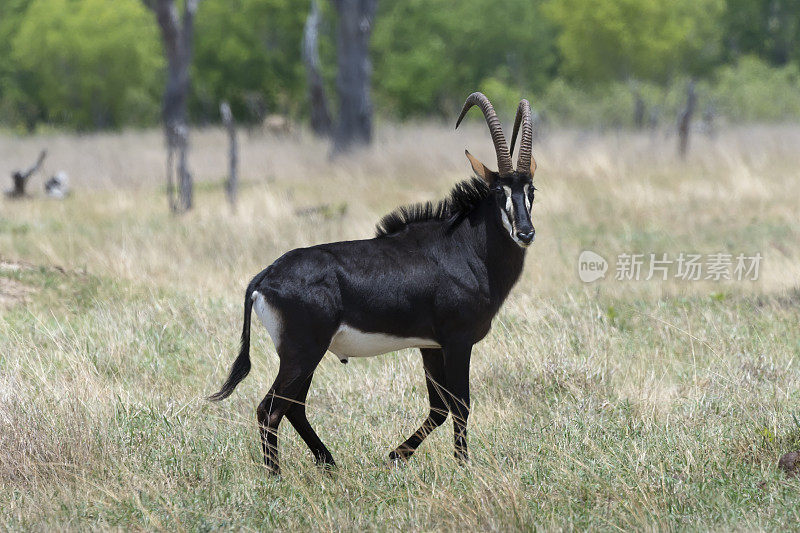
[433, 278]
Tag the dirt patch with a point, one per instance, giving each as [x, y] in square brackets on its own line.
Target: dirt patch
[13, 292]
[7, 265]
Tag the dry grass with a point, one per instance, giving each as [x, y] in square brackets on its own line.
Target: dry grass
[614, 405]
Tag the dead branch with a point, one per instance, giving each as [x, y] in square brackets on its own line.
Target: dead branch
[685, 119]
[321, 122]
[20, 177]
[232, 184]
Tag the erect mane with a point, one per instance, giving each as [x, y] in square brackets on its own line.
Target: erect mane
[463, 198]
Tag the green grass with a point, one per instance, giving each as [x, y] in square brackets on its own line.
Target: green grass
[608, 406]
[122, 437]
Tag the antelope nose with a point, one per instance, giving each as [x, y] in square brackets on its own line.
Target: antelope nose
[526, 236]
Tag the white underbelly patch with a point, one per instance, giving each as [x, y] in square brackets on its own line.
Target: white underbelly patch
[347, 341]
[351, 342]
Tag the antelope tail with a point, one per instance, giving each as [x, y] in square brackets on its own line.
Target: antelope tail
[241, 366]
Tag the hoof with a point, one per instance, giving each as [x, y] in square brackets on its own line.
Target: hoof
[398, 459]
[272, 468]
[327, 467]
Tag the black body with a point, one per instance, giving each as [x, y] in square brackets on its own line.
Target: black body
[427, 280]
[437, 272]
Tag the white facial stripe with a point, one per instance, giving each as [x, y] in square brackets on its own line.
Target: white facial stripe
[508, 226]
[527, 197]
[507, 215]
[509, 204]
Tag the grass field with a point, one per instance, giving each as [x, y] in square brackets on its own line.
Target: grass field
[614, 405]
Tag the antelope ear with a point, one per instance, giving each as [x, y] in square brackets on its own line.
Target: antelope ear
[533, 165]
[480, 169]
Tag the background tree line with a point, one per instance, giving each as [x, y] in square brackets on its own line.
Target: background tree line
[90, 64]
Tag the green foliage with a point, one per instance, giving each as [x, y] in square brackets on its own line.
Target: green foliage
[248, 52]
[748, 90]
[87, 64]
[769, 29]
[602, 40]
[752, 90]
[430, 54]
[609, 104]
[11, 15]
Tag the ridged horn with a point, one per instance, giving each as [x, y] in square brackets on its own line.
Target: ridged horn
[504, 165]
[526, 141]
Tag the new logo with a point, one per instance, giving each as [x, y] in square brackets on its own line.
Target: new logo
[591, 266]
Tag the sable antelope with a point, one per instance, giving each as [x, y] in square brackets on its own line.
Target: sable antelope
[433, 278]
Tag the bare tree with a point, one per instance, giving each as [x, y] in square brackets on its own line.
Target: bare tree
[177, 33]
[20, 177]
[354, 124]
[638, 103]
[638, 110]
[709, 113]
[685, 119]
[321, 122]
[233, 153]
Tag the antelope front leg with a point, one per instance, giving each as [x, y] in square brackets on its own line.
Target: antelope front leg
[433, 361]
[457, 359]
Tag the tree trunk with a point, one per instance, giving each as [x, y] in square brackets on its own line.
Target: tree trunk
[638, 103]
[354, 125]
[20, 178]
[233, 153]
[321, 122]
[777, 30]
[638, 110]
[178, 36]
[708, 121]
[685, 120]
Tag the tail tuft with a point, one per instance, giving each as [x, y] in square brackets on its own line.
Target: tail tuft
[241, 366]
[239, 371]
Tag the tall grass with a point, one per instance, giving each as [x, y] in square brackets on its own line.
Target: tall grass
[612, 405]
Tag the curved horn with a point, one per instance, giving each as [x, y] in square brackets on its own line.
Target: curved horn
[526, 141]
[504, 165]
